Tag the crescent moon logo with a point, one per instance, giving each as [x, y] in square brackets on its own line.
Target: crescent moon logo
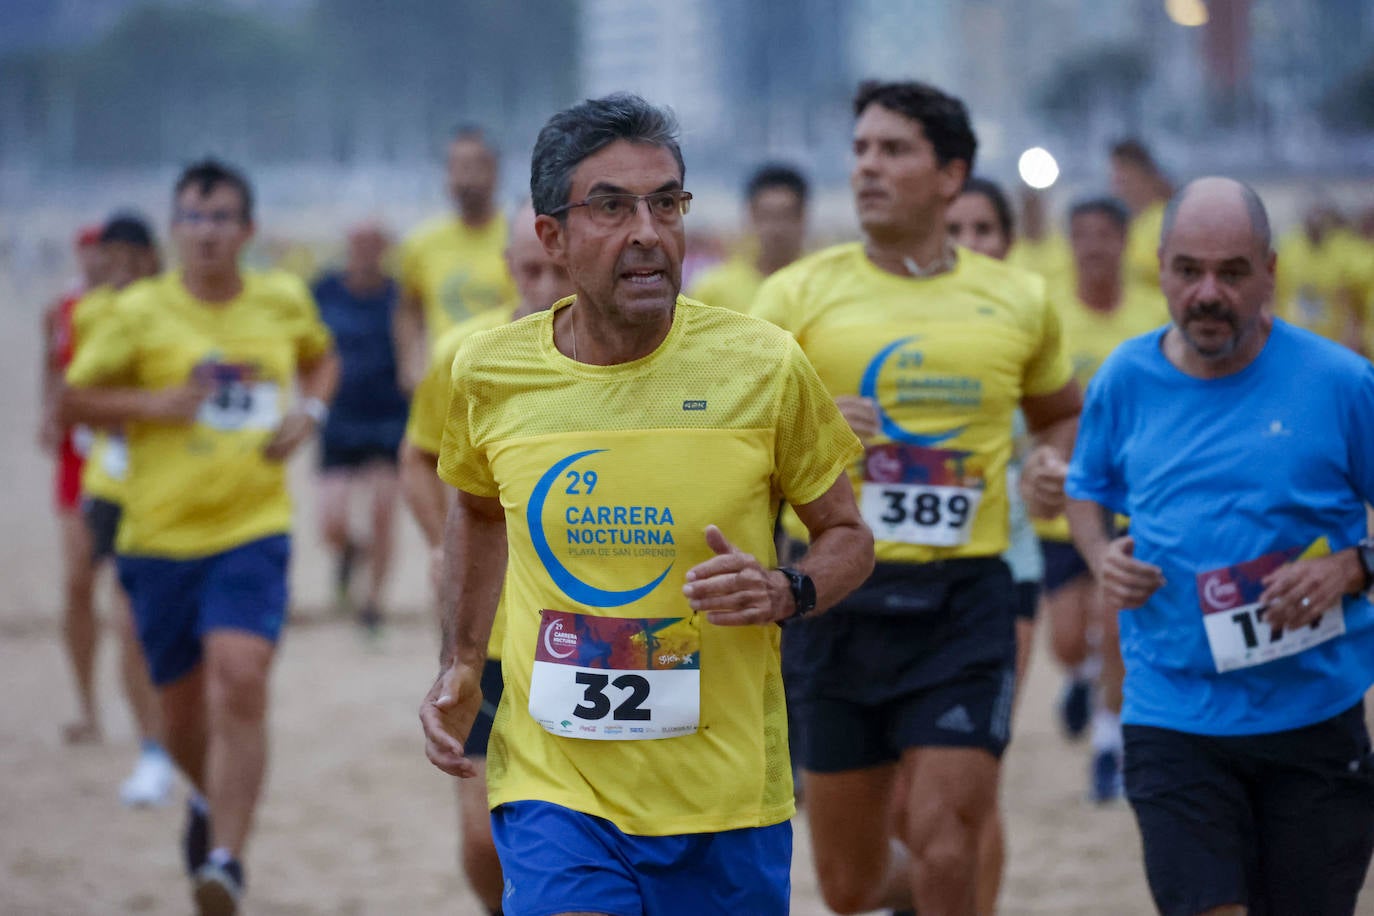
[548, 640]
[569, 584]
[868, 387]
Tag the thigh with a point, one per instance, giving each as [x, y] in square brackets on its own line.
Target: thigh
[1316, 817]
[165, 597]
[332, 491]
[944, 786]
[557, 861]
[246, 589]
[852, 816]
[1196, 820]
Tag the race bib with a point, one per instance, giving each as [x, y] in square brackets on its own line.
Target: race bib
[917, 495]
[238, 404]
[616, 679]
[114, 457]
[1234, 620]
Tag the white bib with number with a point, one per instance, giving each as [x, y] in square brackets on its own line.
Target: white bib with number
[114, 457]
[917, 495]
[235, 406]
[1233, 617]
[616, 679]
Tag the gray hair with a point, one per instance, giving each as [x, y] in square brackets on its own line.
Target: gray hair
[1259, 216]
[583, 130]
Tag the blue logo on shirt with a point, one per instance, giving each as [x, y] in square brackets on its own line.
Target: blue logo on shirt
[579, 591]
[868, 387]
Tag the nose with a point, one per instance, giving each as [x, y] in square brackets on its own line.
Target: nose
[1208, 288]
[643, 226]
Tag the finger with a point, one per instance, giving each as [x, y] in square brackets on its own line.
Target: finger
[744, 617]
[1126, 545]
[728, 583]
[717, 566]
[734, 601]
[717, 541]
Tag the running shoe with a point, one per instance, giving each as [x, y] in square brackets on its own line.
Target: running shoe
[218, 888]
[1106, 777]
[150, 784]
[195, 839]
[1075, 707]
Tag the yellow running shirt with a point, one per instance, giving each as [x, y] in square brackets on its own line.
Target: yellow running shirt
[429, 412]
[1050, 257]
[107, 462]
[1142, 246]
[202, 488]
[731, 285]
[1317, 285]
[948, 359]
[609, 476]
[1090, 337]
[455, 271]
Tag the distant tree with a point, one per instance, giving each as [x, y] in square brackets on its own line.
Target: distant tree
[1089, 84]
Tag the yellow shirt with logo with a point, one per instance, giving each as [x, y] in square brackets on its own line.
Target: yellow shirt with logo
[456, 271]
[203, 487]
[731, 285]
[106, 465]
[1050, 257]
[609, 476]
[1318, 286]
[1090, 337]
[429, 412]
[948, 360]
[1142, 246]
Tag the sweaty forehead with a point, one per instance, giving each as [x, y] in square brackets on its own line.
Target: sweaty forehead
[880, 123]
[635, 167]
[1211, 226]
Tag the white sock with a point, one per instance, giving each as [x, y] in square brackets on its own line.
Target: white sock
[1088, 669]
[1106, 730]
[198, 803]
[220, 856]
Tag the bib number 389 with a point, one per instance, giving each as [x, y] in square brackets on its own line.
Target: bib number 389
[914, 514]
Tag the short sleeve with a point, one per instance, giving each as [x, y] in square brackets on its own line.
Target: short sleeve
[312, 336]
[462, 462]
[412, 285]
[108, 351]
[430, 404]
[814, 443]
[1095, 472]
[1049, 368]
[773, 303]
[1359, 443]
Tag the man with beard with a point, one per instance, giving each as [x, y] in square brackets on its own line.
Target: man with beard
[1239, 445]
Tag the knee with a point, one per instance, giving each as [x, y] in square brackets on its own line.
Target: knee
[334, 527]
[848, 890]
[1070, 646]
[238, 686]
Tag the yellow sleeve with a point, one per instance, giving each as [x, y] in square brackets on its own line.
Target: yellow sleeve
[412, 283]
[107, 352]
[814, 444]
[1049, 368]
[462, 462]
[429, 406]
[313, 339]
[773, 302]
[706, 289]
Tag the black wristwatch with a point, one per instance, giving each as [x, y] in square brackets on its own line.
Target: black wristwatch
[803, 591]
[1365, 551]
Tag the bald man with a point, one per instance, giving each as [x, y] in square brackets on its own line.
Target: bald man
[540, 282]
[362, 431]
[1241, 448]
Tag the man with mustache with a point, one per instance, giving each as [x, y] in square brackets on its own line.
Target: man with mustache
[1240, 447]
[619, 460]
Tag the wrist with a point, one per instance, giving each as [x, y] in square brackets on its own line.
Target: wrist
[314, 408]
[799, 593]
[1360, 567]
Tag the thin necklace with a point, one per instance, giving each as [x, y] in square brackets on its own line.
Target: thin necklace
[573, 322]
[939, 265]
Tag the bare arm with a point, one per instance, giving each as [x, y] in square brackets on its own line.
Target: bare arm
[474, 570]
[1126, 582]
[734, 589]
[408, 337]
[1053, 423]
[317, 380]
[110, 407]
[50, 428]
[426, 495]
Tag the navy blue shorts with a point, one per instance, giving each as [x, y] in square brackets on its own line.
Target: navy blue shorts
[492, 687]
[1279, 823]
[335, 457]
[177, 602]
[556, 860]
[1063, 564]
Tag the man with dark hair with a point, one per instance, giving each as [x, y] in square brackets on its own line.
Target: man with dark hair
[907, 696]
[639, 756]
[198, 366]
[1239, 446]
[1099, 310]
[452, 267]
[1138, 180]
[776, 197]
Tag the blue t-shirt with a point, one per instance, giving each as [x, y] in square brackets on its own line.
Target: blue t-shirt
[1223, 480]
[369, 410]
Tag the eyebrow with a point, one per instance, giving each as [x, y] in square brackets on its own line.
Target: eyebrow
[605, 187]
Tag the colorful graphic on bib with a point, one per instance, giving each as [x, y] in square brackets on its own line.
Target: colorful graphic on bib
[241, 399]
[915, 386]
[1232, 586]
[621, 643]
[591, 525]
[936, 467]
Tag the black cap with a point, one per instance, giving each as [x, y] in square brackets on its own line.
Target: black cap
[129, 228]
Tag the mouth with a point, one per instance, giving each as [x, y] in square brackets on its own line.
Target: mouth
[644, 277]
[870, 195]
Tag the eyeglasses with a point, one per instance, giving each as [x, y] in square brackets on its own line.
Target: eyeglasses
[610, 211]
[215, 219]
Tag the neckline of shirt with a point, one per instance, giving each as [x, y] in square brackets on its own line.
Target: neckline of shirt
[567, 363]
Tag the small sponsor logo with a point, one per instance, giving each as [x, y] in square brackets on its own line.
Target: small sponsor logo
[693, 405]
[635, 730]
[1219, 592]
[669, 658]
[1276, 428]
[956, 719]
[565, 723]
[555, 635]
[588, 728]
[613, 730]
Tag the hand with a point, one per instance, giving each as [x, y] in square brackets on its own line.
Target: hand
[176, 405]
[1127, 582]
[294, 429]
[1298, 593]
[861, 414]
[734, 589]
[1042, 482]
[446, 716]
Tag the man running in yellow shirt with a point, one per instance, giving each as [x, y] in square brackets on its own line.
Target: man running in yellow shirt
[541, 282]
[1320, 279]
[907, 703]
[452, 267]
[777, 196]
[1138, 180]
[198, 366]
[619, 461]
